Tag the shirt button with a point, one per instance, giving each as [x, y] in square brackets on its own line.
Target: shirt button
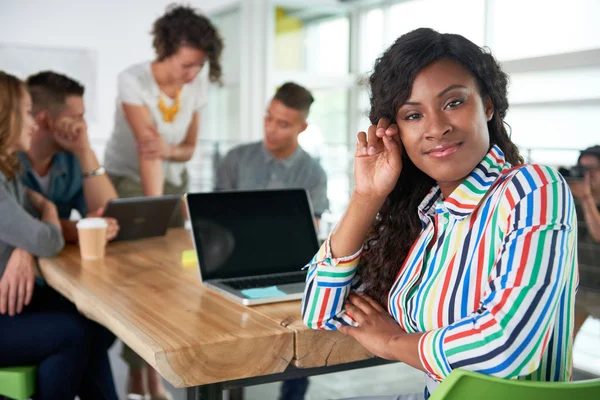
[443, 219]
[273, 176]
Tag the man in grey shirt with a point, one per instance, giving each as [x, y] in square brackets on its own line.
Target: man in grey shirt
[278, 162]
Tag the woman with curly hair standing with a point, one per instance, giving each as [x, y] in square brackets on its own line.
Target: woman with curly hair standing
[452, 253]
[156, 126]
[158, 107]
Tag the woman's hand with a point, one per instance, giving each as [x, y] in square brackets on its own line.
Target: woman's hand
[378, 160]
[17, 283]
[154, 146]
[112, 225]
[376, 328]
[37, 200]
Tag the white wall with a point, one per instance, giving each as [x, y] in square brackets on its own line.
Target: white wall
[117, 31]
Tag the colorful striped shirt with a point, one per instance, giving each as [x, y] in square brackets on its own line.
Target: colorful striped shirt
[495, 291]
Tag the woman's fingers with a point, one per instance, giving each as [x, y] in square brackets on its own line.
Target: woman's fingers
[355, 312]
[382, 125]
[372, 302]
[361, 144]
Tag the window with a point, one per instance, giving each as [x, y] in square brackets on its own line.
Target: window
[372, 38]
[522, 29]
[311, 41]
[465, 17]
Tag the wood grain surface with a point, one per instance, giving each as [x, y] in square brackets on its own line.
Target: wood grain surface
[192, 336]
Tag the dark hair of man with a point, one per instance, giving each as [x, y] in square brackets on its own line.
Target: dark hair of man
[49, 90]
[294, 96]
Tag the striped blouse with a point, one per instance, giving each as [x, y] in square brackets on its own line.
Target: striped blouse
[495, 292]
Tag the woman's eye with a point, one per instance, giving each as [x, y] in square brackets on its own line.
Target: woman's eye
[411, 117]
[455, 103]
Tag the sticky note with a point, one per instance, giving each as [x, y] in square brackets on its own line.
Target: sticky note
[188, 259]
[259, 293]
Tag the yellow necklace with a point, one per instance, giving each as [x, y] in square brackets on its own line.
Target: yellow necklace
[168, 113]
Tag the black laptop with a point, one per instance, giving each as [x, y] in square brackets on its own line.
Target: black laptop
[142, 217]
[252, 245]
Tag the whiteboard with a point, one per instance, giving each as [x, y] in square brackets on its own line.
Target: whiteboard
[77, 63]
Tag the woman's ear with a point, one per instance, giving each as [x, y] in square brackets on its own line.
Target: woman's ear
[489, 108]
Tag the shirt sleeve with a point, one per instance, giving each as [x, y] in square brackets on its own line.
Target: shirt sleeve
[328, 283]
[227, 174]
[130, 89]
[508, 335]
[318, 194]
[20, 229]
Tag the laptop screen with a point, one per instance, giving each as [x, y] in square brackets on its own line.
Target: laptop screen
[247, 233]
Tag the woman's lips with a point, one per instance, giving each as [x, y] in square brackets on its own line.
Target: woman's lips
[443, 151]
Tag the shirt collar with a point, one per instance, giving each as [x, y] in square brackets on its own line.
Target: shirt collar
[465, 198]
[57, 167]
[286, 162]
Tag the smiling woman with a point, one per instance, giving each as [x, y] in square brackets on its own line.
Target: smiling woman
[452, 253]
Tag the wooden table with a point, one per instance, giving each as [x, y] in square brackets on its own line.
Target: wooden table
[191, 335]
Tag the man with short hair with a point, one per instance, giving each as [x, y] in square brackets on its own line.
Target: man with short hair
[278, 162]
[61, 163]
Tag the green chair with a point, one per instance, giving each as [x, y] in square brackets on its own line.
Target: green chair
[17, 382]
[467, 385]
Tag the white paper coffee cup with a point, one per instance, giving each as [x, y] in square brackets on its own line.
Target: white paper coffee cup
[92, 237]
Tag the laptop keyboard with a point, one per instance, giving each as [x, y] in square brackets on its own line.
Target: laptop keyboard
[250, 283]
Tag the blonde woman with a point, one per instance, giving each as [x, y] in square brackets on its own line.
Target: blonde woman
[38, 326]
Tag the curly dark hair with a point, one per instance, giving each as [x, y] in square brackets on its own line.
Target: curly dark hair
[185, 26]
[397, 225]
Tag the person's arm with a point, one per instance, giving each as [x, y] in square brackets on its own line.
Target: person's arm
[69, 230]
[592, 217]
[377, 166]
[151, 172]
[97, 189]
[72, 135]
[331, 276]
[21, 230]
[17, 282]
[507, 336]
[184, 151]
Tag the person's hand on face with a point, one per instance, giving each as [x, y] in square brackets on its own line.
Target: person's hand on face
[377, 160]
[376, 328]
[581, 188]
[71, 134]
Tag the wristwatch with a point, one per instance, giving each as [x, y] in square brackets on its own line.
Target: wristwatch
[98, 171]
